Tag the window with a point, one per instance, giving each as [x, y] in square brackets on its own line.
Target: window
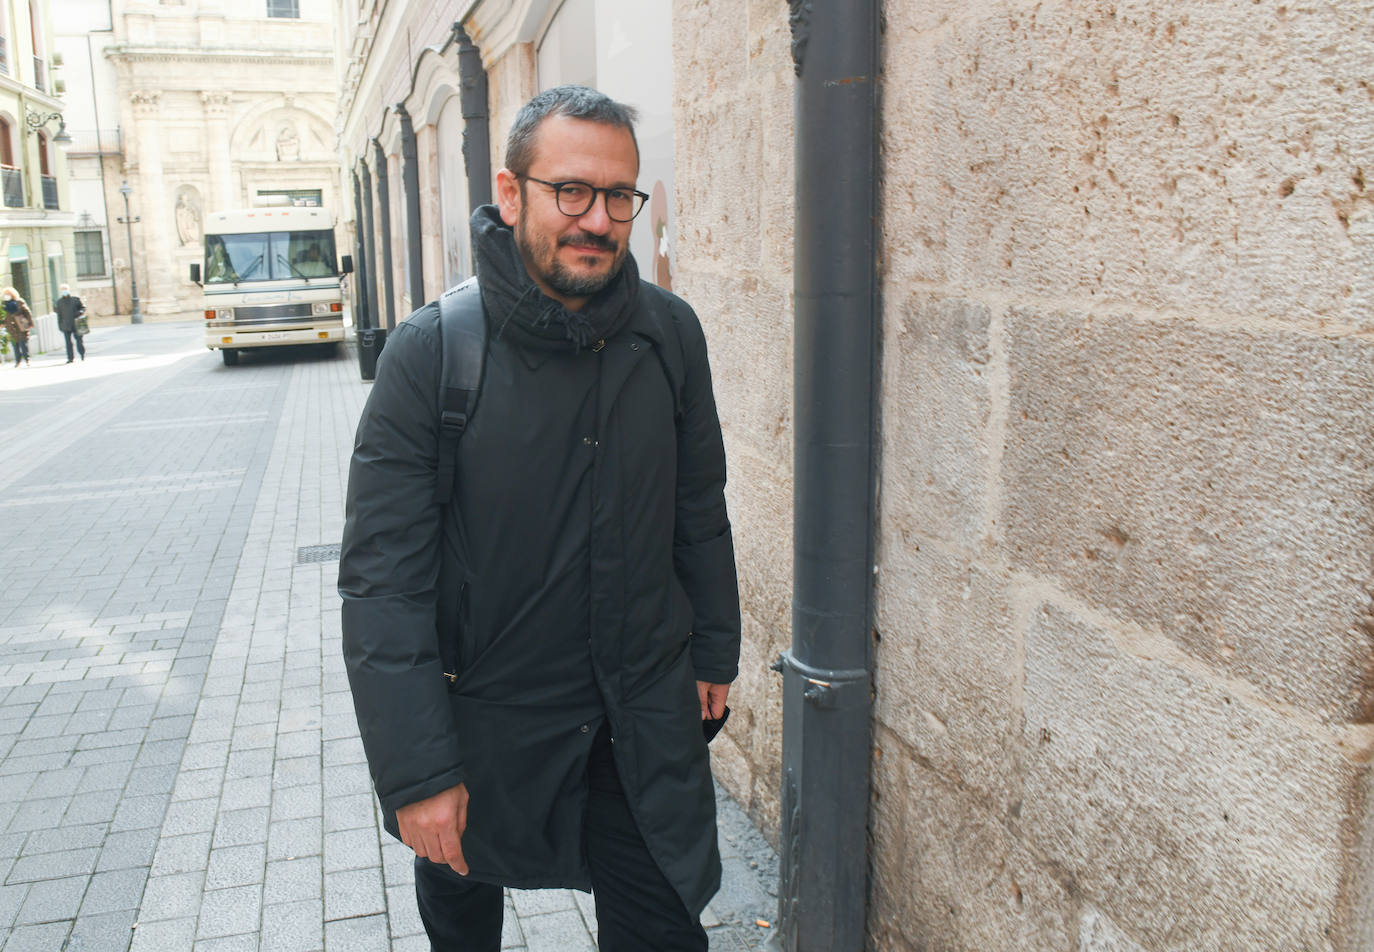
[307, 197]
[286, 9]
[40, 65]
[90, 254]
[268, 256]
[19, 270]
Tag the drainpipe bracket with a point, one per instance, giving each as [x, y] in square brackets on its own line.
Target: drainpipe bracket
[826, 688]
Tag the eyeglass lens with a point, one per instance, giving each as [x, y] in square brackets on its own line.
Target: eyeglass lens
[576, 198]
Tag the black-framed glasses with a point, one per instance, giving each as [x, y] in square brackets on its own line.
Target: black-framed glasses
[575, 199]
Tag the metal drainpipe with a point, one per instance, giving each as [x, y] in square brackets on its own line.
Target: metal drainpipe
[360, 270]
[384, 210]
[827, 692]
[410, 179]
[374, 315]
[476, 125]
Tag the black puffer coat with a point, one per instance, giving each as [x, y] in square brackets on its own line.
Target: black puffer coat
[585, 571]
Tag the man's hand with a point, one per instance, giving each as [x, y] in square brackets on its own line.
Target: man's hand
[434, 827]
[712, 697]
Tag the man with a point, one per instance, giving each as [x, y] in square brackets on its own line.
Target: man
[531, 664]
[69, 308]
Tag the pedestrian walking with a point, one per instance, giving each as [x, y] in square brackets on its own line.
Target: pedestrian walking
[18, 323]
[69, 311]
[535, 663]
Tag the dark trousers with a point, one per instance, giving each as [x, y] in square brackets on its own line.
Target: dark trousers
[21, 350]
[637, 909]
[80, 347]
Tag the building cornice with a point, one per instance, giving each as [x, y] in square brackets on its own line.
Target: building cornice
[186, 54]
[496, 28]
[14, 218]
[31, 94]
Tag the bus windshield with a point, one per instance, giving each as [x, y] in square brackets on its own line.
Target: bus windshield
[269, 256]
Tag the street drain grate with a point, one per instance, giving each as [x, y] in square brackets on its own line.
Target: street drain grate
[317, 553]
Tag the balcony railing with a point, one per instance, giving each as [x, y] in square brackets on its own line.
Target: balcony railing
[49, 191]
[4, 55]
[12, 183]
[40, 74]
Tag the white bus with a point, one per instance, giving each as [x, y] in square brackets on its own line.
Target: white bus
[271, 279]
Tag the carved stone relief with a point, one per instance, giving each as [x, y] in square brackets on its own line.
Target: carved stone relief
[188, 215]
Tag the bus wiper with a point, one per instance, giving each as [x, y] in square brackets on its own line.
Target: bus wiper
[294, 270]
[257, 263]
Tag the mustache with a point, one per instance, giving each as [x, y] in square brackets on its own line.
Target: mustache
[586, 239]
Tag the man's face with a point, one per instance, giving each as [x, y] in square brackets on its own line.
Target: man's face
[570, 258]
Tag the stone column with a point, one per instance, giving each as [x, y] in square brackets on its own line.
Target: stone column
[156, 224]
[217, 143]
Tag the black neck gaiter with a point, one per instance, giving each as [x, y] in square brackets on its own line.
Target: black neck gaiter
[516, 306]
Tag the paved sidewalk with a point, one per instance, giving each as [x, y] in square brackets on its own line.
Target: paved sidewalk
[179, 761]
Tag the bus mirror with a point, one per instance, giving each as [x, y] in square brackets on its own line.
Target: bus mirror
[347, 265]
[195, 274]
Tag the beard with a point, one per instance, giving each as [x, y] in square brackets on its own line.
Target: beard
[540, 254]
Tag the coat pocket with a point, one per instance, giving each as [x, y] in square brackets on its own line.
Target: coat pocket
[451, 641]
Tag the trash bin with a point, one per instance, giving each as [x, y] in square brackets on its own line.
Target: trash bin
[371, 340]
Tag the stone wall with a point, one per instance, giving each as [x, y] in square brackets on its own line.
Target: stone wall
[1124, 602]
[733, 179]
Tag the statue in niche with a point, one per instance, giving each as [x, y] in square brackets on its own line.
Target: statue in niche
[188, 218]
[288, 144]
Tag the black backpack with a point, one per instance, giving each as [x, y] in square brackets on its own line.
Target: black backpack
[463, 352]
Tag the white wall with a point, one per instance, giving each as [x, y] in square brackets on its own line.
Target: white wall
[624, 49]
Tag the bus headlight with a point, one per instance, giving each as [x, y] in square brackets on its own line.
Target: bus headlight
[224, 314]
[319, 308]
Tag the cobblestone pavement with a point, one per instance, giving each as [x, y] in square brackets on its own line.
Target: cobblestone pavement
[179, 762]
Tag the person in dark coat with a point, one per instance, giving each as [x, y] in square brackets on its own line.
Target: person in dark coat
[531, 665]
[18, 323]
[69, 308]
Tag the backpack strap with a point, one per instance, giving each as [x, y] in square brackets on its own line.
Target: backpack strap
[463, 351]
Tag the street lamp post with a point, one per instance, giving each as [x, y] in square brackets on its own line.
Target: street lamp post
[136, 317]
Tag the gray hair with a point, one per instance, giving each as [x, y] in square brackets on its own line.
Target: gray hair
[573, 102]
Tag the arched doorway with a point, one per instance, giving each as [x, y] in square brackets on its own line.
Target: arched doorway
[453, 194]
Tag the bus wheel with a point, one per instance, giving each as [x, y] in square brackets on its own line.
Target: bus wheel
[231, 357]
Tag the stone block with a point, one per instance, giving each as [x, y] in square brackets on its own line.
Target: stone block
[363, 934]
[718, 202]
[228, 912]
[1183, 158]
[1207, 482]
[938, 458]
[1097, 933]
[1192, 816]
[292, 926]
[114, 891]
[948, 874]
[948, 667]
[171, 897]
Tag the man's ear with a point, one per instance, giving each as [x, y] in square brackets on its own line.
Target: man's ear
[508, 196]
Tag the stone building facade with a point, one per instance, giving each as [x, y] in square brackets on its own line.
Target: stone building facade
[37, 252]
[1122, 644]
[1124, 563]
[401, 77]
[215, 104]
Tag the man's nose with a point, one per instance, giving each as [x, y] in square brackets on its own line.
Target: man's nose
[596, 219]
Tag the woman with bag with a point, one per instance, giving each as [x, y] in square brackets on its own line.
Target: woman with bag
[70, 321]
[18, 322]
